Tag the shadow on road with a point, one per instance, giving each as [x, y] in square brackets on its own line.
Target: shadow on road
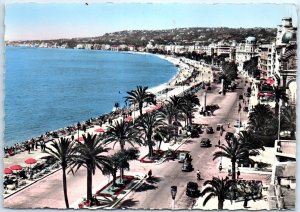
[153, 180]
[128, 203]
[146, 186]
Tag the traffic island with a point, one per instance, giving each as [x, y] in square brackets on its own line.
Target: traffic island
[110, 195]
[157, 155]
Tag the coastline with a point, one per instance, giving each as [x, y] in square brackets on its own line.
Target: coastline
[182, 68]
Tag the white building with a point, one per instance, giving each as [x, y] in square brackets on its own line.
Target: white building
[245, 51]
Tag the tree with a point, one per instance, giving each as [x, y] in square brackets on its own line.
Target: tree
[120, 161]
[90, 155]
[230, 70]
[121, 132]
[288, 119]
[190, 101]
[140, 96]
[220, 188]
[147, 126]
[63, 152]
[177, 104]
[250, 141]
[234, 151]
[279, 94]
[261, 120]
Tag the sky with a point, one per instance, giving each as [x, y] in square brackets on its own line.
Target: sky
[31, 21]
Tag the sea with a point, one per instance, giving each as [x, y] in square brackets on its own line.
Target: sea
[48, 89]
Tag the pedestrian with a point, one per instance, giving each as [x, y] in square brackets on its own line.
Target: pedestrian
[150, 174]
[238, 174]
[219, 142]
[36, 145]
[32, 144]
[228, 124]
[28, 148]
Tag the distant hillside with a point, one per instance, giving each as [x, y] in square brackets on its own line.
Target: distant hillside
[179, 36]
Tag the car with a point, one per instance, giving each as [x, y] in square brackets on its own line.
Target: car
[205, 142]
[237, 124]
[192, 189]
[208, 88]
[209, 130]
[219, 127]
[187, 166]
[228, 135]
[246, 109]
[240, 96]
[182, 156]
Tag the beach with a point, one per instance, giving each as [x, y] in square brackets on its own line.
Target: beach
[185, 68]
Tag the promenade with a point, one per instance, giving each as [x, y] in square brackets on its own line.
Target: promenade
[36, 187]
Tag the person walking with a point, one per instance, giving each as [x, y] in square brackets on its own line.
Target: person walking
[228, 124]
[238, 174]
[219, 142]
[150, 174]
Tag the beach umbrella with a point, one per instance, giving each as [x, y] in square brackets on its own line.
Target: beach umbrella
[129, 118]
[261, 94]
[99, 130]
[16, 167]
[81, 139]
[30, 161]
[7, 171]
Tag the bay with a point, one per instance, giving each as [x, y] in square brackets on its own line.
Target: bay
[48, 89]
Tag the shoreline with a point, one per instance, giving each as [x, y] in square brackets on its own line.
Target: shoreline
[156, 89]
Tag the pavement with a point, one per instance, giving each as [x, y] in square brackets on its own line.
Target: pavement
[165, 173]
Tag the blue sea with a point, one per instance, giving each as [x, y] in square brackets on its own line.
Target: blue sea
[48, 89]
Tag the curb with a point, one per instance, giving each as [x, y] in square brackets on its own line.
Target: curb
[119, 200]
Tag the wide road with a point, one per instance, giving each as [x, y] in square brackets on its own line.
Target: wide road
[156, 194]
[48, 193]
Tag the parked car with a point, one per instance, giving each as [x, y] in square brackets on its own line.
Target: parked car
[219, 127]
[192, 189]
[208, 88]
[240, 96]
[182, 156]
[205, 142]
[237, 124]
[228, 135]
[246, 109]
[187, 166]
[209, 130]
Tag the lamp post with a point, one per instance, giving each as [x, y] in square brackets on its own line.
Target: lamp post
[78, 127]
[279, 104]
[173, 194]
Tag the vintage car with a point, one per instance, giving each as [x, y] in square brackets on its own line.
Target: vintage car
[205, 142]
[192, 189]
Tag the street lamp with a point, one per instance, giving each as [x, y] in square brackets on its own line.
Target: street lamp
[78, 127]
[173, 194]
[279, 108]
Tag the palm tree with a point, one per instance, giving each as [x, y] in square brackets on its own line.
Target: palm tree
[147, 126]
[234, 151]
[250, 141]
[121, 132]
[288, 119]
[120, 161]
[279, 94]
[177, 104]
[62, 151]
[140, 96]
[190, 101]
[220, 188]
[90, 155]
[259, 119]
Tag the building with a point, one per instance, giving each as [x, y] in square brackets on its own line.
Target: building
[285, 65]
[245, 51]
[265, 60]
